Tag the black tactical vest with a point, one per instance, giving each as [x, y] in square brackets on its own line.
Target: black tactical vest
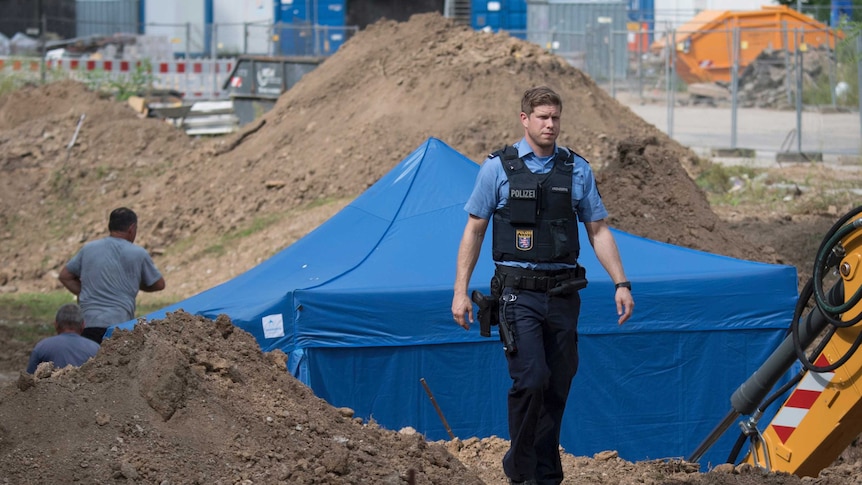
[537, 223]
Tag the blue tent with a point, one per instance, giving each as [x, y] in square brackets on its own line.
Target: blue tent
[361, 306]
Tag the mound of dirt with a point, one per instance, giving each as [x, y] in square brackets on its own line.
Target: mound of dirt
[191, 400]
[331, 136]
[53, 197]
[464, 87]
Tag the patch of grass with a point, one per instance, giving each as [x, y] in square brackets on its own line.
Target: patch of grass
[36, 306]
[719, 179]
[10, 83]
[320, 202]
[797, 190]
[30, 316]
[141, 80]
[181, 246]
[227, 241]
[257, 224]
[820, 91]
[825, 201]
[102, 171]
[215, 250]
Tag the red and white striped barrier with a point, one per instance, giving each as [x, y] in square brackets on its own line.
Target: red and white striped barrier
[801, 400]
[196, 79]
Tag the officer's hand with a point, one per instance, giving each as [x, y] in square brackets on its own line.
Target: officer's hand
[461, 306]
[625, 304]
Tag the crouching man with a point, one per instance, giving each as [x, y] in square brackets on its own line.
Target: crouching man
[68, 347]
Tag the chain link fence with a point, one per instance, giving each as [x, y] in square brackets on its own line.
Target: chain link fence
[811, 75]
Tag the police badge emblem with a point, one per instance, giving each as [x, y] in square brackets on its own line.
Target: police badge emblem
[524, 239]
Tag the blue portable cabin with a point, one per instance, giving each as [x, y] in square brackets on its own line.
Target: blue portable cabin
[840, 9]
[508, 15]
[310, 28]
[642, 12]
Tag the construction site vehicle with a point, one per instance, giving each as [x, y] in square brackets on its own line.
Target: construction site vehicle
[823, 413]
[704, 46]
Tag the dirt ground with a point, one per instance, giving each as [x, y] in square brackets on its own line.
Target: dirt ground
[189, 401]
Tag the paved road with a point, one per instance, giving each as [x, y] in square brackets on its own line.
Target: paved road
[837, 136]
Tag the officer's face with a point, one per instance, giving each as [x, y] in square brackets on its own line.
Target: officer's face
[542, 126]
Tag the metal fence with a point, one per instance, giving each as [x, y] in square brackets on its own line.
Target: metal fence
[195, 79]
[192, 59]
[814, 74]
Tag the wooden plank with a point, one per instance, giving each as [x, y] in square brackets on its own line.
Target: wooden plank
[138, 104]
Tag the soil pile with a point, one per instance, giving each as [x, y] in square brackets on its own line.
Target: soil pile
[328, 138]
[67, 157]
[189, 400]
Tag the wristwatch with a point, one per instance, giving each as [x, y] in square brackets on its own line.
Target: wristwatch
[624, 284]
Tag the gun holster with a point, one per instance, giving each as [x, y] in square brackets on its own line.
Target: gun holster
[489, 307]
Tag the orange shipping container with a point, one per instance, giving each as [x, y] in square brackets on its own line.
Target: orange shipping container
[704, 45]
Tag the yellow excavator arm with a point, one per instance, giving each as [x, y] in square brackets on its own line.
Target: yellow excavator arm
[823, 413]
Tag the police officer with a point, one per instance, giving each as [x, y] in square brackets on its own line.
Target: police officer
[537, 192]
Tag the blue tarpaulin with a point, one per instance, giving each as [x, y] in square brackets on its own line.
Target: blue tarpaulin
[361, 305]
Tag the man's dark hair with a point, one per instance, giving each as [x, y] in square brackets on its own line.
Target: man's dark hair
[539, 96]
[122, 219]
[69, 317]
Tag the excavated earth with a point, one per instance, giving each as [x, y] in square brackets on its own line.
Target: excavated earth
[189, 400]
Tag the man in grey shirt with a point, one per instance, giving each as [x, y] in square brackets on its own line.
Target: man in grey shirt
[107, 273]
[68, 347]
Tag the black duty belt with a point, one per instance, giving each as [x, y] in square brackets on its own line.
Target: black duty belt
[535, 280]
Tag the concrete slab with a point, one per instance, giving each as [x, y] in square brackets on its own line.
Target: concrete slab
[799, 157]
[734, 152]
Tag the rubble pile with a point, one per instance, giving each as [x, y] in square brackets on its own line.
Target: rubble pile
[771, 80]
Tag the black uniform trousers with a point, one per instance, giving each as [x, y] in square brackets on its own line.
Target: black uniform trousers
[542, 370]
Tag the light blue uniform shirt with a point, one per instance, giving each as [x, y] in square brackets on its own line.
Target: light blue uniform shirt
[491, 191]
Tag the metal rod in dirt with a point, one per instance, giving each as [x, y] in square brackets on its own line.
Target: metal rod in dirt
[713, 436]
[77, 130]
[439, 412]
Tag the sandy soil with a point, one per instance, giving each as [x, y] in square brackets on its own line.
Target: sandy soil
[189, 401]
